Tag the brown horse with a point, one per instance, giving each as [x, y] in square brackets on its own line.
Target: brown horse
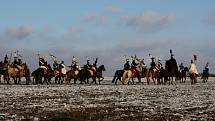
[18, 73]
[193, 78]
[183, 74]
[152, 74]
[72, 74]
[59, 76]
[131, 74]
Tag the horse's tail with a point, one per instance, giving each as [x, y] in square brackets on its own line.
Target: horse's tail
[126, 76]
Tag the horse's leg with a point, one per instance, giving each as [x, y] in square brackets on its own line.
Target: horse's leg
[132, 79]
[7, 78]
[117, 80]
[19, 80]
[94, 78]
[102, 78]
[113, 80]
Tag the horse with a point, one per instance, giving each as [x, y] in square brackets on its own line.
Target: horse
[153, 73]
[99, 73]
[163, 76]
[131, 74]
[183, 74]
[41, 72]
[73, 74]
[193, 78]
[205, 76]
[60, 76]
[86, 74]
[3, 71]
[17, 73]
[117, 76]
[172, 69]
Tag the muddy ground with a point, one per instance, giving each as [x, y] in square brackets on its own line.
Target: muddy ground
[108, 102]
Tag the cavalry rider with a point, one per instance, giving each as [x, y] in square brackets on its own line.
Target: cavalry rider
[152, 64]
[17, 61]
[133, 61]
[173, 62]
[127, 65]
[159, 63]
[181, 67]
[74, 65]
[134, 64]
[207, 68]
[62, 67]
[43, 64]
[90, 67]
[6, 59]
[193, 68]
[55, 65]
[42, 61]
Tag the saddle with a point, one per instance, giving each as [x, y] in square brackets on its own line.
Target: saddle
[63, 70]
[156, 69]
[92, 70]
[134, 71]
[56, 73]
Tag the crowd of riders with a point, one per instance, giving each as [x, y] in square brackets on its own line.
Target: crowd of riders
[130, 63]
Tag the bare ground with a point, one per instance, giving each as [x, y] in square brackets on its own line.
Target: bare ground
[108, 102]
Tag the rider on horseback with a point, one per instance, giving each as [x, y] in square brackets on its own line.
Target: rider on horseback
[181, 67]
[6, 59]
[206, 70]
[193, 68]
[62, 67]
[90, 67]
[153, 64]
[207, 67]
[42, 61]
[55, 65]
[127, 65]
[74, 65]
[17, 61]
[134, 64]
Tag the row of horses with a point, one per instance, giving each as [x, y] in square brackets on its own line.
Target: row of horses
[159, 75]
[41, 75]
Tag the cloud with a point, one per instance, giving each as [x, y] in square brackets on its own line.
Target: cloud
[90, 17]
[150, 21]
[20, 32]
[112, 9]
[211, 19]
[74, 29]
[96, 18]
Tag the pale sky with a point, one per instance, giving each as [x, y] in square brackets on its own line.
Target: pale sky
[109, 29]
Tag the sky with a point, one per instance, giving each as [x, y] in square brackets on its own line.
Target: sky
[109, 30]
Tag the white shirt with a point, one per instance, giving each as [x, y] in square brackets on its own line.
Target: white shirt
[193, 69]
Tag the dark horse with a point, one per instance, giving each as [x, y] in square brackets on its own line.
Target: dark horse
[41, 73]
[205, 75]
[85, 74]
[3, 68]
[117, 76]
[183, 74]
[99, 74]
[172, 69]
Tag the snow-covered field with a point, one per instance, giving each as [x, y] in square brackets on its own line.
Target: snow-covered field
[108, 102]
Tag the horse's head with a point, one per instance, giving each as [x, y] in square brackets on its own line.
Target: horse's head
[102, 68]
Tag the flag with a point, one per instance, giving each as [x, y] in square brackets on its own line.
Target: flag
[195, 57]
[170, 51]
